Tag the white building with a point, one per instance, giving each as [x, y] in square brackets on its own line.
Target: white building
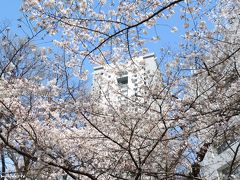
[218, 160]
[118, 83]
[129, 87]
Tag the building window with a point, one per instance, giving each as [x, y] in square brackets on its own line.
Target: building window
[225, 145]
[122, 80]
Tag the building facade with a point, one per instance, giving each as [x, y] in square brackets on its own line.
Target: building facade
[115, 84]
[222, 162]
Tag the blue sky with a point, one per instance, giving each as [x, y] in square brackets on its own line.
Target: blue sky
[9, 11]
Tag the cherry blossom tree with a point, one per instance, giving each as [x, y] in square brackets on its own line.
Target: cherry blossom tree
[213, 101]
[29, 87]
[53, 124]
